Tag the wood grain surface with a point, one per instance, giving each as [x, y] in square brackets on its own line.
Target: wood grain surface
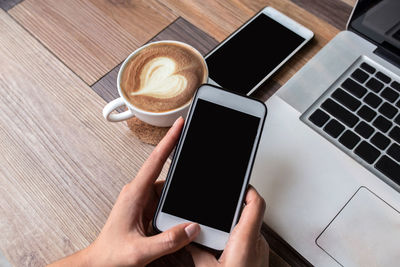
[91, 38]
[350, 2]
[62, 164]
[335, 13]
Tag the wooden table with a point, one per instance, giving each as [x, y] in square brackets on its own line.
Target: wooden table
[61, 164]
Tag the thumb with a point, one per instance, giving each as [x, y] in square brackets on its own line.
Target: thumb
[171, 240]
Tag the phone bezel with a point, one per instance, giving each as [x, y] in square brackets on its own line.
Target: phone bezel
[283, 20]
[210, 237]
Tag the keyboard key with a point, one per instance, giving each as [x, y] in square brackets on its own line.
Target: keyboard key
[389, 94]
[359, 75]
[395, 134]
[380, 141]
[389, 168]
[364, 130]
[388, 110]
[395, 85]
[382, 124]
[319, 118]
[354, 88]
[340, 112]
[397, 119]
[334, 128]
[374, 85]
[366, 113]
[367, 68]
[373, 100]
[398, 104]
[394, 151]
[367, 152]
[349, 139]
[346, 99]
[383, 77]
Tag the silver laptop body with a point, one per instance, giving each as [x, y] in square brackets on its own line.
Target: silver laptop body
[333, 206]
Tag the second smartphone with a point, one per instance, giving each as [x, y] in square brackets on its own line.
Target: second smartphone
[210, 171]
[244, 60]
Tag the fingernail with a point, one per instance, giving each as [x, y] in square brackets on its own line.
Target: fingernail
[192, 230]
[177, 121]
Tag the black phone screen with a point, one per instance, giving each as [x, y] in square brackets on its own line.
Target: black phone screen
[250, 55]
[211, 166]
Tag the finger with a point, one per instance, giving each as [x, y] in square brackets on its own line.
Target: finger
[263, 249]
[200, 257]
[246, 233]
[152, 167]
[155, 198]
[251, 219]
[151, 207]
[158, 187]
[170, 240]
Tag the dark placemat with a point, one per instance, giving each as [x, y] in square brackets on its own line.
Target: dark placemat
[8, 4]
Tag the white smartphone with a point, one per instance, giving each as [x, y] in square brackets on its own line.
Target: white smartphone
[212, 163]
[245, 60]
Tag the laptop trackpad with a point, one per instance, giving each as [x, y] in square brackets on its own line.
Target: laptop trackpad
[366, 232]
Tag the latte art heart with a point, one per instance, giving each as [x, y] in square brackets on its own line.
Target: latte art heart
[158, 79]
[162, 77]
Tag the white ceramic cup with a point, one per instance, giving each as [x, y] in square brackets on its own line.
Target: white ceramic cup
[161, 119]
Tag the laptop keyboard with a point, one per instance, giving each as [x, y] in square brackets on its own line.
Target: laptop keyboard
[361, 115]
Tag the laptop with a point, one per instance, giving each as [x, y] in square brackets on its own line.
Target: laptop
[328, 164]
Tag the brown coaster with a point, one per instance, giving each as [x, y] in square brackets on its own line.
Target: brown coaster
[145, 132]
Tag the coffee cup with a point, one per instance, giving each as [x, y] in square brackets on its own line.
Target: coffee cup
[157, 83]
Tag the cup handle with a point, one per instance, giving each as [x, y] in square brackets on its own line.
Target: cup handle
[113, 105]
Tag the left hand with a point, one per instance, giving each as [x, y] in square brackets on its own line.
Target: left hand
[124, 239]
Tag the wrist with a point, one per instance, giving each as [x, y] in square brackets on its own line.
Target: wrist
[81, 258]
[91, 257]
[86, 258]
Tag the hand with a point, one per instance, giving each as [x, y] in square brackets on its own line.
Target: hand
[246, 246]
[124, 239]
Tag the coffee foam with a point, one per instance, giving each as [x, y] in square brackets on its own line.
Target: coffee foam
[159, 80]
[162, 77]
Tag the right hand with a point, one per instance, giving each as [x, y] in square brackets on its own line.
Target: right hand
[246, 246]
